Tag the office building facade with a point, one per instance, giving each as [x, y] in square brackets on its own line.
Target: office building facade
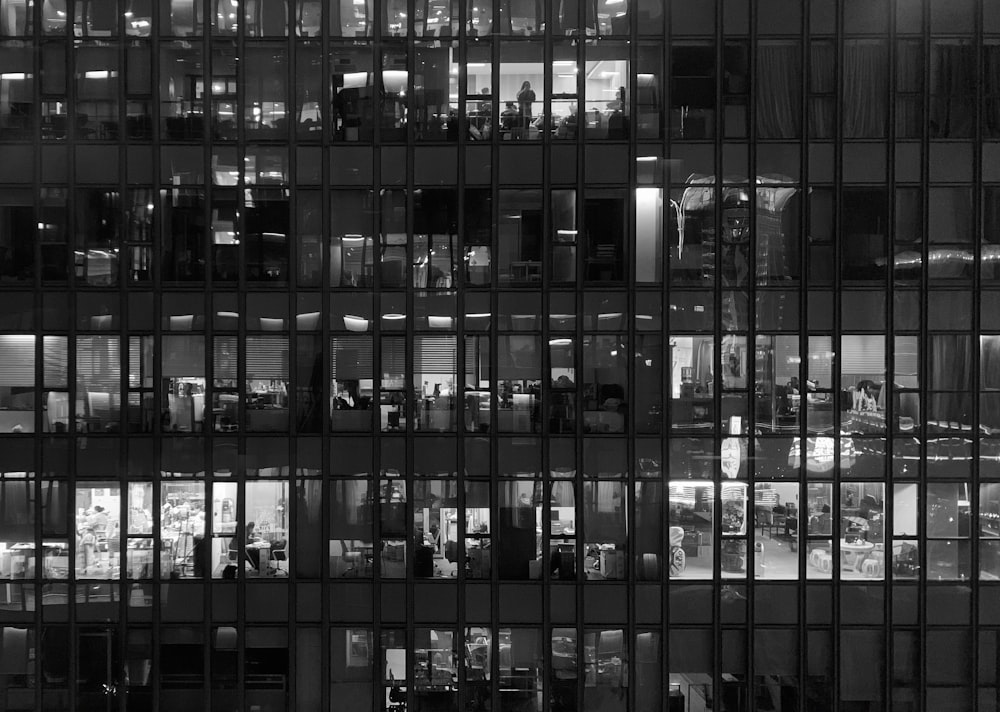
[504, 355]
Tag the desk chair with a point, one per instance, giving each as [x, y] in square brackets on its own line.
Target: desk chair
[279, 554]
[397, 699]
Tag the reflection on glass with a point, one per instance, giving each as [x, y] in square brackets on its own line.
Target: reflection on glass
[862, 530]
[520, 669]
[352, 659]
[478, 548]
[605, 530]
[351, 520]
[692, 382]
[776, 530]
[182, 530]
[690, 518]
[519, 537]
[565, 670]
[98, 531]
[435, 667]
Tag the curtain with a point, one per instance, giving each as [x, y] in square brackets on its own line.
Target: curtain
[950, 370]
[822, 81]
[953, 89]
[779, 94]
[909, 89]
[865, 93]
[991, 90]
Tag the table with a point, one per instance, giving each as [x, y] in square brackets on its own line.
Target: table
[852, 555]
[263, 548]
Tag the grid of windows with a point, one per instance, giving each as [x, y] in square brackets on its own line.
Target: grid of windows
[673, 382]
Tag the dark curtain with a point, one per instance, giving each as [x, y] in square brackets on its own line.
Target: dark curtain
[866, 85]
[953, 89]
[909, 89]
[779, 94]
[950, 370]
[991, 90]
[822, 81]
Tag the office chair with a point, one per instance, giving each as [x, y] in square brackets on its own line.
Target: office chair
[279, 554]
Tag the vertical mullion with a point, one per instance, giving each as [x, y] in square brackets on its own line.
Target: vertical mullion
[924, 350]
[977, 236]
[838, 134]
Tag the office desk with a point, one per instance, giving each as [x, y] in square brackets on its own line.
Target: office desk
[263, 549]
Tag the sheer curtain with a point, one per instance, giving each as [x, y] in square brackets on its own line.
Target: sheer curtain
[865, 94]
[779, 94]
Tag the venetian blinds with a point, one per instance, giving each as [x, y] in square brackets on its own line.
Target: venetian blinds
[17, 354]
[267, 357]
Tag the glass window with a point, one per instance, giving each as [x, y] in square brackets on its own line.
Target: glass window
[604, 245]
[267, 383]
[862, 530]
[776, 530]
[352, 657]
[865, 94]
[692, 382]
[53, 230]
[606, 91]
[605, 670]
[98, 231]
[478, 544]
[352, 79]
[19, 19]
[565, 670]
[392, 500]
[351, 547]
[266, 551]
[309, 111]
[265, 94]
[778, 73]
[435, 227]
[563, 111]
[98, 543]
[183, 372]
[953, 79]
[182, 91]
[97, 90]
[436, 87]
[182, 530]
[266, 230]
[819, 529]
[521, 93]
[478, 667]
[692, 112]
[352, 386]
[948, 531]
[435, 367]
[17, 381]
[98, 386]
[605, 531]
[649, 248]
[520, 668]
[266, 18]
[519, 538]
[351, 248]
[17, 84]
[354, 18]
[17, 534]
[435, 519]
[690, 529]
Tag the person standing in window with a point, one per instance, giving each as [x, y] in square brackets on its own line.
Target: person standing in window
[524, 99]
